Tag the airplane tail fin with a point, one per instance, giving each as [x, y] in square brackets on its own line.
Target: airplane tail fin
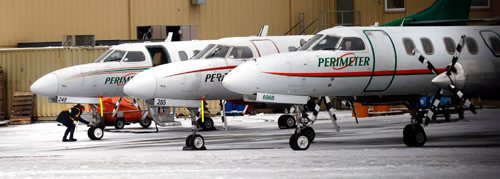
[169, 37]
[263, 31]
[440, 10]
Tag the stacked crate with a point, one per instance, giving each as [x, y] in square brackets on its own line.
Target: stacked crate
[3, 91]
[22, 108]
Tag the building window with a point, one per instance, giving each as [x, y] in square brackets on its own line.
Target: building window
[395, 5]
[471, 45]
[450, 45]
[480, 4]
[409, 45]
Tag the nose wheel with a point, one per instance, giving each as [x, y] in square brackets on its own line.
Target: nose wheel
[194, 141]
[299, 142]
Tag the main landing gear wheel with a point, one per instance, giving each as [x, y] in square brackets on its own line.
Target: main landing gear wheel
[286, 122]
[95, 133]
[119, 123]
[207, 125]
[195, 142]
[299, 142]
[414, 135]
[146, 122]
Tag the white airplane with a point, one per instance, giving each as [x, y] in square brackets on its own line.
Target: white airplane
[376, 65]
[184, 84]
[110, 72]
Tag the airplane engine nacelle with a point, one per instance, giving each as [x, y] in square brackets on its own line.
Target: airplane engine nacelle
[474, 78]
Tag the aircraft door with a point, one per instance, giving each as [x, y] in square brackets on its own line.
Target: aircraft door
[384, 60]
[265, 47]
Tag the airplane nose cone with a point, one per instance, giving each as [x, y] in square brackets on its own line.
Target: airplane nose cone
[141, 86]
[243, 79]
[46, 86]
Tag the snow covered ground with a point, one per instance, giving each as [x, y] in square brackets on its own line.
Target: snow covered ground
[254, 147]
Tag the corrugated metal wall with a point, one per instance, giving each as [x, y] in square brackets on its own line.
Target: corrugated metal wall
[49, 20]
[24, 66]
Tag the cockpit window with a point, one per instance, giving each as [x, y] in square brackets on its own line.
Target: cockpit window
[327, 43]
[310, 42]
[104, 55]
[218, 52]
[117, 55]
[204, 51]
[134, 56]
[352, 43]
[241, 52]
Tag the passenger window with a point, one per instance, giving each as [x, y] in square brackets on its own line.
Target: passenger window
[495, 44]
[471, 45]
[409, 45]
[352, 43]
[133, 56]
[183, 55]
[427, 46]
[450, 45]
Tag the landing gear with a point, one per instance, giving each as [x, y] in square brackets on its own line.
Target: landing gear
[286, 121]
[207, 125]
[95, 133]
[304, 134]
[96, 130]
[309, 133]
[195, 141]
[414, 135]
[146, 122]
[299, 142]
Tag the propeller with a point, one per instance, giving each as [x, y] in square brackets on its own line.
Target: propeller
[431, 113]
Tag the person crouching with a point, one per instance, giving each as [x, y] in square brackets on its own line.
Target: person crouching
[68, 118]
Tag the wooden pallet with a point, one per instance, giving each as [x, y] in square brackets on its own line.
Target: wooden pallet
[20, 121]
[22, 108]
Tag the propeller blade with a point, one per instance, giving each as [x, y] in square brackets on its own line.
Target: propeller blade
[462, 97]
[431, 113]
[456, 55]
[424, 61]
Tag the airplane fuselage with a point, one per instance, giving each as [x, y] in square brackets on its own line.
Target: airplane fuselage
[110, 72]
[202, 77]
[377, 61]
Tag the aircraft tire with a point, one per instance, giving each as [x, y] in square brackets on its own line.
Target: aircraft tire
[286, 122]
[299, 142]
[119, 123]
[414, 135]
[188, 140]
[197, 142]
[207, 125]
[95, 133]
[146, 122]
[309, 133]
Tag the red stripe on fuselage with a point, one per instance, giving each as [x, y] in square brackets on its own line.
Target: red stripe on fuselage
[202, 70]
[359, 74]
